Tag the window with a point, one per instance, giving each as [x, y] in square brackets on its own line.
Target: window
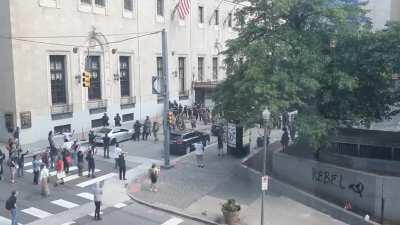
[216, 12]
[215, 68]
[200, 68]
[94, 91]
[57, 77]
[125, 75]
[127, 117]
[62, 129]
[181, 71]
[229, 19]
[100, 3]
[86, 2]
[201, 14]
[128, 5]
[160, 7]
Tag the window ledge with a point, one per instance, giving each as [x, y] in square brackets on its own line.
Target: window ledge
[50, 3]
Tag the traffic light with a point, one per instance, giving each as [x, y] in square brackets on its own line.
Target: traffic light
[86, 78]
[170, 117]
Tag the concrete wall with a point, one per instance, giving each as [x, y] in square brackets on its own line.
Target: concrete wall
[56, 17]
[364, 190]
[7, 97]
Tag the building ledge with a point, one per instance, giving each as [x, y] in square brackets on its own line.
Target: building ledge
[205, 84]
[97, 106]
[128, 102]
[61, 111]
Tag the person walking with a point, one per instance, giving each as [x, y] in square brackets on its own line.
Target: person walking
[36, 169]
[91, 137]
[60, 171]
[106, 145]
[80, 157]
[98, 197]
[154, 172]
[117, 152]
[11, 204]
[90, 161]
[16, 136]
[2, 157]
[136, 128]
[12, 163]
[104, 120]
[44, 180]
[20, 161]
[146, 128]
[117, 120]
[156, 128]
[285, 139]
[220, 138]
[67, 159]
[122, 166]
[74, 152]
[53, 149]
[199, 151]
[45, 158]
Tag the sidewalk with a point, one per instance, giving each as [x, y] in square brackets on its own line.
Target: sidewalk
[201, 191]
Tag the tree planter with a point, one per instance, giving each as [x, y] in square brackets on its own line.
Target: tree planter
[231, 210]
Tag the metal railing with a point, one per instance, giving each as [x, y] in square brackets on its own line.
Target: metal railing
[61, 109]
[97, 104]
[128, 100]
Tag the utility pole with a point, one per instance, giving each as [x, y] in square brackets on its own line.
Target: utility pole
[166, 97]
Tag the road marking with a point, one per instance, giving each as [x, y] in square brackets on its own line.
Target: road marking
[53, 173]
[27, 164]
[95, 180]
[36, 212]
[120, 205]
[68, 223]
[173, 221]
[7, 221]
[76, 176]
[86, 195]
[65, 204]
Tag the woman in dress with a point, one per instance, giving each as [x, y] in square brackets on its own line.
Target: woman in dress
[44, 180]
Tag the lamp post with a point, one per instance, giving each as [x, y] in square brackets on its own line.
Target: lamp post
[266, 114]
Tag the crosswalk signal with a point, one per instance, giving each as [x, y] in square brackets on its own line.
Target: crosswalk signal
[86, 79]
[170, 117]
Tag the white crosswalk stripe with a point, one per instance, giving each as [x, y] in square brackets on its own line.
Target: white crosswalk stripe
[65, 204]
[76, 176]
[97, 179]
[86, 195]
[6, 221]
[173, 221]
[36, 212]
[68, 223]
[119, 205]
[53, 173]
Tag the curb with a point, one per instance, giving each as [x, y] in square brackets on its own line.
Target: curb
[172, 211]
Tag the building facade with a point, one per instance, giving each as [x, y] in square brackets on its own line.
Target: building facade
[46, 45]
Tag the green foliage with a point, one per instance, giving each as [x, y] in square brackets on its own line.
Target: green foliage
[230, 206]
[317, 56]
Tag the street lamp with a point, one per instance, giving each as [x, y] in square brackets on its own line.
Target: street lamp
[266, 114]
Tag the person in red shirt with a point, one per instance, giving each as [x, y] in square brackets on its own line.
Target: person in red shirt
[60, 171]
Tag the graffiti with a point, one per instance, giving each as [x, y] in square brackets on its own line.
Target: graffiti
[326, 177]
[357, 188]
[337, 180]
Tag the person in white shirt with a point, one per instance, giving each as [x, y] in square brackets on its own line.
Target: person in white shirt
[199, 151]
[44, 176]
[117, 152]
[68, 136]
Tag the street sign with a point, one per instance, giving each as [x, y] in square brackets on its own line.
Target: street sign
[156, 85]
[264, 183]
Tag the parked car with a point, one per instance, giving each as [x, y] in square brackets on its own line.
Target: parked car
[181, 142]
[116, 135]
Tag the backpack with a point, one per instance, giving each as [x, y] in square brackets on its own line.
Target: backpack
[8, 204]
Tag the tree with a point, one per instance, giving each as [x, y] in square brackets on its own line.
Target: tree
[317, 56]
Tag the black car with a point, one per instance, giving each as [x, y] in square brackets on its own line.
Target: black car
[182, 141]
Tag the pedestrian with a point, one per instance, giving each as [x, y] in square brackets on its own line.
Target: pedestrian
[11, 204]
[97, 197]
[193, 122]
[20, 161]
[2, 157]
[44, 180]
[74, 149]
[154, 172]
[285, 139]
[45, 158]
[90, 161]
[16, 136]
[67, 160]
[80, 157]
[117, 152]
[36, 169]
[60, 171]
[122, 166]
[146, 128]
[68, 135]
[117, 120]
[136, 128]
[156, 128]
[104, 120]
[12, 163]
[53, 149]
[106, 146]
[91, 137]
[220, 138]
[199, 151]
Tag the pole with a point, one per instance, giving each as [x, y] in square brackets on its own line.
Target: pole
[264, 170]
[166, 97]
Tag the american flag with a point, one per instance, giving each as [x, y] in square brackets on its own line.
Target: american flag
[183, 8]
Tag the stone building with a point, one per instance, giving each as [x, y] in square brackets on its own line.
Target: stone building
[45, 45]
